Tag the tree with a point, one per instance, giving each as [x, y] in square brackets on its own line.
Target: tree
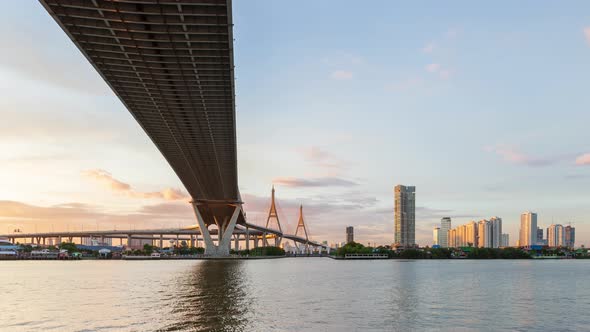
[267, 251]
[353, 248]
[69, 246]
[148, 249]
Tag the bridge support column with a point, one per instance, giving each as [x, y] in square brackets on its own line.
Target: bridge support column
[224, 236]
[247, 238]
[237, 242]
[161, 241]
[43, 241]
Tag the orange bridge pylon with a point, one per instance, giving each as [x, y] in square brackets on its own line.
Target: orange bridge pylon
[273, 215]
[301, 225]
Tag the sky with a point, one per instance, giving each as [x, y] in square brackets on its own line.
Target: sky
[484, 107]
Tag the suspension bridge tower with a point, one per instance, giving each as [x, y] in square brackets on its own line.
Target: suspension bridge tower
[274, 216]
[301, 225]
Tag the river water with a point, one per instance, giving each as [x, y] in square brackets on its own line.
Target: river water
[295, 294]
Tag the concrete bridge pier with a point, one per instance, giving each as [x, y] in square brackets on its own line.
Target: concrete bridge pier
[225, 230]
[237, 242]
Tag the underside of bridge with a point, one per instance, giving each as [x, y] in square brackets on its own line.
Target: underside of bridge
[171, 64]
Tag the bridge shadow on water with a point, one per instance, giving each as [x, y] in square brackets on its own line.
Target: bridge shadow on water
[212, 297]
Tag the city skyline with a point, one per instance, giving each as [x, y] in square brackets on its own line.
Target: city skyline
[74, 156]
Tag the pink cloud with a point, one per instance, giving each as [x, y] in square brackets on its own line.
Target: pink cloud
[106, 178]
[587, 34]
[515, 156]
[583, 160]
[321, 158]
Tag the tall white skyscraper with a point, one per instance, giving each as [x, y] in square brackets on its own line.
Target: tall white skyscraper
[436, 236]
[445, 227]
[405, 216]
[528, 229]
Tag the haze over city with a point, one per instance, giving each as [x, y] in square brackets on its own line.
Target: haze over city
[484, 110]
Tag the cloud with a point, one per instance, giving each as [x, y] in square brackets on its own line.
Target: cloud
[583, 160]
[106, 178]
[321, 158]
[587, 34]
[432, 68]
[429, 48]
[167, 215]
[514, 156]
[314, 182]
[342, 75]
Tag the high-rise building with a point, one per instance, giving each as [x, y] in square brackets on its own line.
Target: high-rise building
[570, 236]
[496, 232]
[528, 229]
[405, 216]
[464, 235]
[555, 235]
[489, 233]
[484, 234]
[445, 226]
[349, 234]
[505, 240]
[436, 232]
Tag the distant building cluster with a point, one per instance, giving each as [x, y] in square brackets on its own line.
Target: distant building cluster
[482, 234]
[556, 235]
[96, 241]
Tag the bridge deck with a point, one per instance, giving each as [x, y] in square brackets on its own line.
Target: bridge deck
[171, 64]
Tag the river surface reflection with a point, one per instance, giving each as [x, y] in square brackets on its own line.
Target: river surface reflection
[295, 294]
